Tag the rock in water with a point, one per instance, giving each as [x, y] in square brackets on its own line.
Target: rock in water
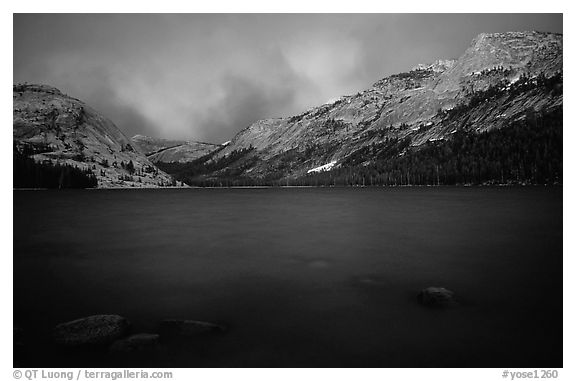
[436, 297]
[178, 328]
[134, 343]
[91, 330]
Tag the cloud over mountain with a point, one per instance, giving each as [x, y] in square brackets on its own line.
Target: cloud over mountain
[205, 77]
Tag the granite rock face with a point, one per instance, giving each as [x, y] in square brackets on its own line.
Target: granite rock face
[61, 129]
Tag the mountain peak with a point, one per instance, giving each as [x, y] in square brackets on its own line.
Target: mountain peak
[514, 35]
[515, 41]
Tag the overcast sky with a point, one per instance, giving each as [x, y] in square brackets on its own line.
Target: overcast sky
[205, 77]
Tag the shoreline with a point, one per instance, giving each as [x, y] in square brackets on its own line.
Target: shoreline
[302, 186]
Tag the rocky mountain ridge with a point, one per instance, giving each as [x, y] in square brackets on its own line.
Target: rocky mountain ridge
[164, 150]
[498, 80]
[56, 129]
[414, 97]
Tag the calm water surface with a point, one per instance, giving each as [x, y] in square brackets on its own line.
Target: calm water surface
[302, 277]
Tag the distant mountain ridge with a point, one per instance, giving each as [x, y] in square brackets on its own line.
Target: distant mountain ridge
[502, 79]
[164, 150]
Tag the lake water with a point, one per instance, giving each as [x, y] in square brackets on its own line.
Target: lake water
[303, 277]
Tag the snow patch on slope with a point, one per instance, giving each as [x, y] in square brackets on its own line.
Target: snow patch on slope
[322, 168]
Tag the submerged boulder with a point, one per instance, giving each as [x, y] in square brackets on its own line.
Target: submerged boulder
[91, 330]
[135, 343]
[175, 328]
[436, 297]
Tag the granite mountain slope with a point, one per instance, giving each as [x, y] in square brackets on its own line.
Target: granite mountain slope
[501, 80]
[164, 150]
[52, 127]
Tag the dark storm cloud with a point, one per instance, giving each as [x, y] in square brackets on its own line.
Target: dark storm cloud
[130, 119]
[206, 77]
[242, 101]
